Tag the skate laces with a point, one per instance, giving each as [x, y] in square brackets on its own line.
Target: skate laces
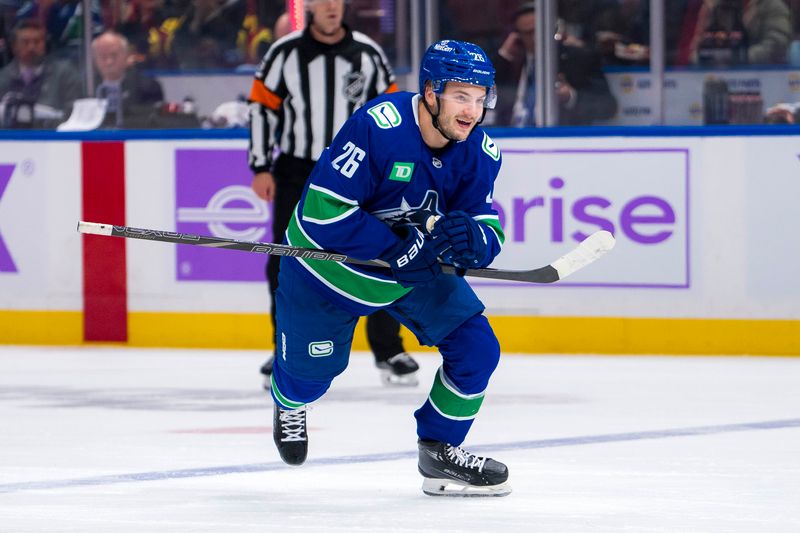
[462, 457]
[293, 424]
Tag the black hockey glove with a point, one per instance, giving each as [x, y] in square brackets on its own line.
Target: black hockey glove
[414, 260]
[460, 240]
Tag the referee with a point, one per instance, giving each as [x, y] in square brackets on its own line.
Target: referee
[308, 83]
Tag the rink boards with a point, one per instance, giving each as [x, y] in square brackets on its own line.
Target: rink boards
[705, 260]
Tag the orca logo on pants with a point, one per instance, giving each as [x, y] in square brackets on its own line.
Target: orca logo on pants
[6, 263]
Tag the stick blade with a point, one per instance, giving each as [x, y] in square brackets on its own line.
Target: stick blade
[93, 228]
[592, 248]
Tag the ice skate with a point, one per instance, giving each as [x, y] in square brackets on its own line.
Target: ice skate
[289, 434]
[399, 370]
[451, 471]
[266, 371]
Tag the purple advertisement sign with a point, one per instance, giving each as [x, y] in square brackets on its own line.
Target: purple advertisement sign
[213, 197]
[549, 200]
[6, 263]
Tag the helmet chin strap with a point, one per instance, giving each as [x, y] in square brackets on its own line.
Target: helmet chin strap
[435, 118]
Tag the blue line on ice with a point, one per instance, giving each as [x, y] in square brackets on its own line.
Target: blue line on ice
[394, 456]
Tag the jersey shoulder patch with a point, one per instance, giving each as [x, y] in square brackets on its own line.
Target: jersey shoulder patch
[490, 147]
[385, 115]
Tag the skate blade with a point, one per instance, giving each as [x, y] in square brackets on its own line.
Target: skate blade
[448, 487]
[393, 380]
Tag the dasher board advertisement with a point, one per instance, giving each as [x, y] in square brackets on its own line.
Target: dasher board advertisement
[551, 199]
[40, 203]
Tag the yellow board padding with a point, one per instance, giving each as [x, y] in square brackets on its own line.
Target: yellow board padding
[59, 328]
[673, 336]
[522, 334]
[517, 334]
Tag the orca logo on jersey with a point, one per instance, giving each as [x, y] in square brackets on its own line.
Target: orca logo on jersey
[406, 215]
[354, 83]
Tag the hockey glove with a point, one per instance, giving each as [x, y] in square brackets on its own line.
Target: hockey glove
[460, 240]
[414, 260]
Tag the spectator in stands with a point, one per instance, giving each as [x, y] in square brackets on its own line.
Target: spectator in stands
[33, 88]
[283, 26]
[150, 32]
[236, 113]
[584, 96]
[793, 56]
[585, 19]
[617, 29]
[769, 27]
[8, 11]
[64, 19]
[728, 32]
[678, 18]
[131, 94]
[253, 38]
[206, 37]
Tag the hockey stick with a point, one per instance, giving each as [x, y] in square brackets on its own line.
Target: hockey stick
[586, 252]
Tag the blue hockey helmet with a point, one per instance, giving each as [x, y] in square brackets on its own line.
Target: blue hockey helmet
[457, 61]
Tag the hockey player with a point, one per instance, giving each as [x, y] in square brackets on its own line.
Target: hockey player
[396, 165]
[307, 85]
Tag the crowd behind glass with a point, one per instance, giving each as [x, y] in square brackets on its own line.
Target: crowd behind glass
[136, 41]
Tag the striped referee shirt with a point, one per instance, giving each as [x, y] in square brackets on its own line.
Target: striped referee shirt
[305, 90]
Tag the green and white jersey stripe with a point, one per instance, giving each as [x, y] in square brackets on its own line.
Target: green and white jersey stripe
[493, 221]
[323, 206]
[452, 403]
[343, 279]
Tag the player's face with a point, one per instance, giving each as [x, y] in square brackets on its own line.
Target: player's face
[460, 109]
[327, 14]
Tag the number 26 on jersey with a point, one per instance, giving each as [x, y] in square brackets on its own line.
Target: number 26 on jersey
[347, 163]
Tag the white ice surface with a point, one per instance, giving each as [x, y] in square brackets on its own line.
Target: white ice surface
[107, 439]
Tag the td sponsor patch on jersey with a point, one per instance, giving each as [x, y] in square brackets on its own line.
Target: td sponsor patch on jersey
[385, 115]
[402, 172]
[320, 348]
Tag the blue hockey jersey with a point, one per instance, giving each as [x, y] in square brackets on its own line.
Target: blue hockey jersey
[376, 168]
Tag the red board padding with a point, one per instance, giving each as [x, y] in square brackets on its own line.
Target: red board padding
[105, 290]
